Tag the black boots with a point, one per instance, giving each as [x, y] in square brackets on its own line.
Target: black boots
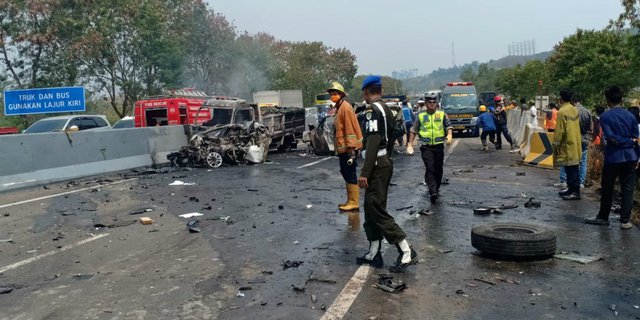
[374, 256]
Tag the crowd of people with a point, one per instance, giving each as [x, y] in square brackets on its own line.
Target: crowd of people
[616, 132]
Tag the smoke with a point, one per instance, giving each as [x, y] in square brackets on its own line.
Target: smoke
[247, 78]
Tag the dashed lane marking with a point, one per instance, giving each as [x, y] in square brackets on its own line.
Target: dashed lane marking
[64, 193]
[38, 257]
[314, 163]
[341, 305]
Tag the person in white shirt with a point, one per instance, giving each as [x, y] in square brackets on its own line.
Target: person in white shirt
[534, 116]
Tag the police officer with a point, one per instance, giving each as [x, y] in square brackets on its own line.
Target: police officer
[431, 125]
[375, 177]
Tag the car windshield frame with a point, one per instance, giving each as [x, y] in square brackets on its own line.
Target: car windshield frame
[47, 125]
[130, 124]
[459, 101]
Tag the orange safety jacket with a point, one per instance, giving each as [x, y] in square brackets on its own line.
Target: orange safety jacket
[348, 133]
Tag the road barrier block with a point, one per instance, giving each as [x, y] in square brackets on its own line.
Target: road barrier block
[541, 150]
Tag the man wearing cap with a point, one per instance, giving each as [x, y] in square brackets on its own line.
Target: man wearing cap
[375, 177]
[348, 141]
[433, 127]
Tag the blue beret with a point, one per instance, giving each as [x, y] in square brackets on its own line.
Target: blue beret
[371, 81]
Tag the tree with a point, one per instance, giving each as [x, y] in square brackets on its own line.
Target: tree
[630, 16]
[589, 61]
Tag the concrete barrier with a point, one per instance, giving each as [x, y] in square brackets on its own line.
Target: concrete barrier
[33, 159]
[540, 153]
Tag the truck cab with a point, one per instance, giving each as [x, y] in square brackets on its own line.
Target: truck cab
[460, 102]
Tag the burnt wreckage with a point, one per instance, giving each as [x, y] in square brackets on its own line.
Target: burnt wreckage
[238, 143]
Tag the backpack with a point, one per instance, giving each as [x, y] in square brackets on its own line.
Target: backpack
[398, 125]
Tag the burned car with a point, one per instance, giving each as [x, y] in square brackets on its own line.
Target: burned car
[238, 143]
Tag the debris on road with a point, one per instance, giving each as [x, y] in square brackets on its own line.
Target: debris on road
[314, 299]
[146, 220]
[309, 206]
[459, 172]
[291, 264]
[387, 284]
[116, 224]
[404, 208]
[520, 174]
[141, 211]
[443, 251]
[181, 183]
[298, 289]
[532, 203]
[485, 281]
[6, 241]
[577, 258]
[4, 290]
[194, 226]
[81, 276]
[190, 215]
[245, 288]
[240, 294]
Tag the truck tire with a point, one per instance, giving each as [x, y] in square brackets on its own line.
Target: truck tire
[514, 240]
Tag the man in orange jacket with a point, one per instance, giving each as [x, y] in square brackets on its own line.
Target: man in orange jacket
[348, 142]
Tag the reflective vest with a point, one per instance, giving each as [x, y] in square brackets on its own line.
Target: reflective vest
[432, 128]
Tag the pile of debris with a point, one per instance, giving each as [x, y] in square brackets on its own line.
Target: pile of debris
[229, 144]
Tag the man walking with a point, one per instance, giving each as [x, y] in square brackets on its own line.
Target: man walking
[501, 127]
[348, 141]
[486, 122]
[431, 125]
[567, 145]
[375, 177]
[621, 153]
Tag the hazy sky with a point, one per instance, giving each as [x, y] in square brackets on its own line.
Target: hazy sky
[407, 34]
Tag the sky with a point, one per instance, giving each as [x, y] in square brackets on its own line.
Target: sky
[398, 35]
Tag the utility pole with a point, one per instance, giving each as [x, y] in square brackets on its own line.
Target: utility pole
[453, 55]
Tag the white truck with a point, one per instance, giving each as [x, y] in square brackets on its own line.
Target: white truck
[279, 98]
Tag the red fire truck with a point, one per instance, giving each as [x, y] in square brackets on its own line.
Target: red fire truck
[176, 108]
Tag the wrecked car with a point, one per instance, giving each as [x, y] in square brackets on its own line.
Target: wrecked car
[238, 143]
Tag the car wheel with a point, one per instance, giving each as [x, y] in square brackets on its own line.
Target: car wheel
[214, 159]
[514, 240]
[182, 161]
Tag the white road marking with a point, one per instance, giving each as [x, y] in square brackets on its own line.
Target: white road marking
[65, 248]
[344, 300]
[314, 163]
[450, 150]
[341, 305]
[64, 193]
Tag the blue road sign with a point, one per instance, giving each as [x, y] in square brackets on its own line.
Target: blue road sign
[44, 100]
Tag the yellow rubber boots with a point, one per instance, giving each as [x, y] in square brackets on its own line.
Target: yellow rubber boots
[353, 196]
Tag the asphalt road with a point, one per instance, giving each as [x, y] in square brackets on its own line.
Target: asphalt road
[78, 252]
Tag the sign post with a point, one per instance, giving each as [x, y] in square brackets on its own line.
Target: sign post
[44, 100]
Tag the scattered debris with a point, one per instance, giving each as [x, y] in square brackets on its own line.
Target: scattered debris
[532, 203]
[314, 299]
[291, 264]
[458, 172]
[296, 242]
[459, 291]
[267, 272]
[298, 289]
[494, 209]
[190, 215]
[253, 190]
[521, 173]
[443, 251]
[387, 284]
[445, 181]
[485, 281]
[141, 211]
[4, 290]
[404, 208]
[245, 288]
[180, 183]
[280, 207]
[194, 226]
[577, 258]
[146, 220]
[240, 294]
[511, 281]
[81, 276]
[116, 224]
[194, 199]
[308, 206]
[6, 241]
[225, 218]
[612, 307]
[329, 281]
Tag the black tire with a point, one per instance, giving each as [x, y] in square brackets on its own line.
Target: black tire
[514, 241]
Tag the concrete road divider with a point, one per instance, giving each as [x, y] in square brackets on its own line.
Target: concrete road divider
[33, 159]
[540, 153]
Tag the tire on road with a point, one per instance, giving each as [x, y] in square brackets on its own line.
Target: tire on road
[514, 240]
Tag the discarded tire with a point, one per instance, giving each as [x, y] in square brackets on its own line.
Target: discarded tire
[513, 240]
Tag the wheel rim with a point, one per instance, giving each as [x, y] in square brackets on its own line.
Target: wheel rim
[214, 159]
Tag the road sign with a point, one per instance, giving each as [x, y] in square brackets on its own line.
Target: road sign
[44, 100]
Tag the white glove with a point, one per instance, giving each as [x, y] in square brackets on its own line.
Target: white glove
[410, 149]
[449, 139]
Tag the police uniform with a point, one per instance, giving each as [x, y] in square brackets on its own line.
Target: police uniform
[378, 169]
[431, 130]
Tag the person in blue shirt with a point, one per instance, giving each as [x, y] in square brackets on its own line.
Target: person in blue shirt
[621, 154]
[409, 118]
[486, 121]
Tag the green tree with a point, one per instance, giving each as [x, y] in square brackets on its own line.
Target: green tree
[589, 61]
